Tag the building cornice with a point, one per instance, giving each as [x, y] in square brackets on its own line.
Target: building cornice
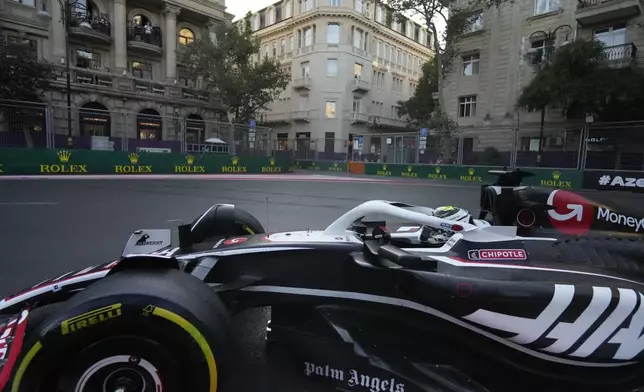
[339, 12]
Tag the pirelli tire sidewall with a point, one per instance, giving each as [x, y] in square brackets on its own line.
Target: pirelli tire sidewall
[177, 314]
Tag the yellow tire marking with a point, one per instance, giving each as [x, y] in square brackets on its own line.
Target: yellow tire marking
[197, 336]
[249, 230]
[23, 366]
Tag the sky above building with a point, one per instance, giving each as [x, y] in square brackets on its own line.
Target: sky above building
[239, 8]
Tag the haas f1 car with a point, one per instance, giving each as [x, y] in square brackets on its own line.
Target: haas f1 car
[548, 297]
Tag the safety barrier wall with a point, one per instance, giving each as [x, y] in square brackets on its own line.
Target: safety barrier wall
[79, 162]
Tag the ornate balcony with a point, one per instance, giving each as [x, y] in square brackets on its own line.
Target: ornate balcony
[86, 27]
[145, 41]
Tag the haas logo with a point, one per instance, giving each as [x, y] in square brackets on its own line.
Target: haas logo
[572, 213]
[143, 239]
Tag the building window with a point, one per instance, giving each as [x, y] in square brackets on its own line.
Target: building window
[471, 65]
[31, 3]
[332, 67]
[398, 57]
[379, 48]
[358, 5]
[357, 70]
[287, 9]
[282, 45]
[291, 44]
[358, 36]
[356, 106]
[85, 59]
[186, 37]
[379, 14]
[333, 33]
[474, 23]
[308, 36]
[271, 16]
[256, 23]
[391, 54]
[306, 5]
[334, 3]
[421, 37]
[274, 48]
[305, 69]
[26, 43]
[265, 50]
[539, 51]
[467, 106]
[544, 6]
[329, 110]
[141, 70]
[611, 35]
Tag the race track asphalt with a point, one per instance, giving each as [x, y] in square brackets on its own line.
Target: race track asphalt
[49, 227]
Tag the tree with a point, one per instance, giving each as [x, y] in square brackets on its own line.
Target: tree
[226, 65]
[575, 79]
[420, 106]
[22, 77]
[456, 24]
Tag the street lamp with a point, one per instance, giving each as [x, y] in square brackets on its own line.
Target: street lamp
[549, 43]
[45, 17]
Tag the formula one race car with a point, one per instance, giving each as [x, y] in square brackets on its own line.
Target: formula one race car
[488, 310]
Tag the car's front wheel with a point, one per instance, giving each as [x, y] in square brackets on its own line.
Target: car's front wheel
[136, 331]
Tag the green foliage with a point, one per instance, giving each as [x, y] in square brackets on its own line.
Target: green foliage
[228, 67]
[22, 76]
[420, 107]
[577, 80]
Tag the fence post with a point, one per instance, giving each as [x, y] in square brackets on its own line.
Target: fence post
[583, 146]
[49, 135]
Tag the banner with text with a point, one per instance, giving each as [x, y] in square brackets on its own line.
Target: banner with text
[623, 181]
[320, 166]
[79, 162]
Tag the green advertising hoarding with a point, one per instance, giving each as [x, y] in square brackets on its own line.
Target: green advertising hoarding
[319, 165]
[552, 178]
[79, 162]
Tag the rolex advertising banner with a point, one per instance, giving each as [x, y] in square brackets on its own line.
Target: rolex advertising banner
[319, 165]
[608, 180]
[79, 162]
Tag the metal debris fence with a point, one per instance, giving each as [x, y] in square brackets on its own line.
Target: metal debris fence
[593, 146]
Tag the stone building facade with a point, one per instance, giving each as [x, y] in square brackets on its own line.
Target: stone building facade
[350, 62]
[126, 81]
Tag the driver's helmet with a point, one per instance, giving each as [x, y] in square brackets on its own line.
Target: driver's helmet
[452, 213]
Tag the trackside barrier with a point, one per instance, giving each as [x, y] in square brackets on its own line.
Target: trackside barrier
[326, 166]
[79, 162]
[561, 179]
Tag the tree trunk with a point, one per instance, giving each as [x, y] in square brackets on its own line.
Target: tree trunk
[28, 139]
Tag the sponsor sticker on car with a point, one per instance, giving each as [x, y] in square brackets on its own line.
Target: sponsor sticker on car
[497, 254]
[620, 219]
[235, 241]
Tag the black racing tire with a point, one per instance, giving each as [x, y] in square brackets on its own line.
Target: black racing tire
[154, 327]
[249, 224]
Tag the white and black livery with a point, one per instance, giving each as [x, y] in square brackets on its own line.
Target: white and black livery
[540, 300]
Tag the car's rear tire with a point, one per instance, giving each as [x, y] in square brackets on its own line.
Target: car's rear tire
[163, 328]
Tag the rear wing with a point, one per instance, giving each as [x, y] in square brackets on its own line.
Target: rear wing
[509, 177]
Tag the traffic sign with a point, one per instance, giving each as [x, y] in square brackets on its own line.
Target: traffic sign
[424, 132]
[253, 123]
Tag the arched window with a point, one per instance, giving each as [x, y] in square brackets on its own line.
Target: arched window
[94, 120]
[186, 37]
[149, 125]
[140, 20]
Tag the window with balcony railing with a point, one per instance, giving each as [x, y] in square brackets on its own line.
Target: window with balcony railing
[142, 70]
[141, 29]
[87, 59]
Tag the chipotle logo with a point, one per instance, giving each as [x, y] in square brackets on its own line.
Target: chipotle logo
[497, 254]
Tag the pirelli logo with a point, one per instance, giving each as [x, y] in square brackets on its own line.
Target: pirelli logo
[88, 319]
